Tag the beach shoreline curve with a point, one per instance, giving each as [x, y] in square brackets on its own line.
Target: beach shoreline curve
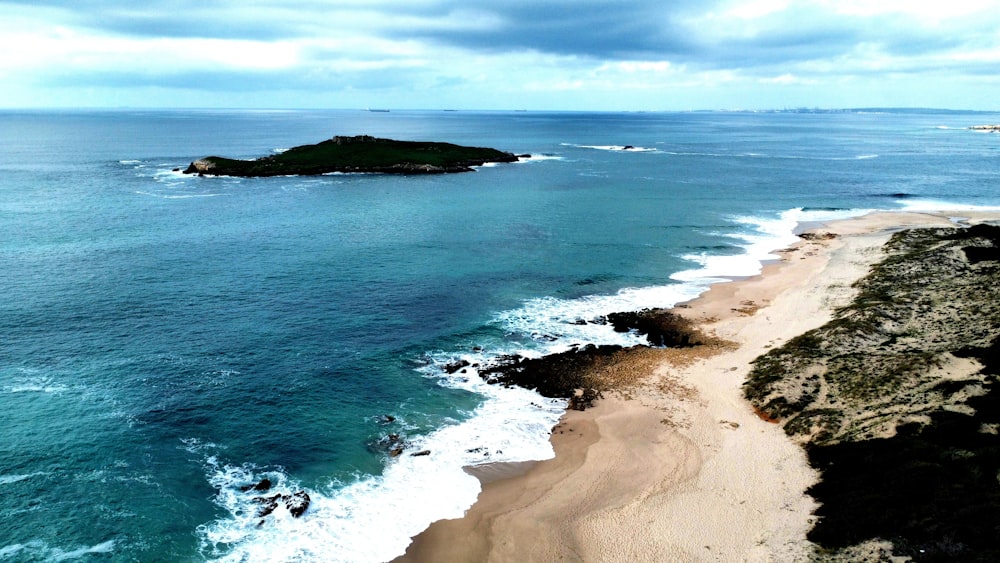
[680, 466]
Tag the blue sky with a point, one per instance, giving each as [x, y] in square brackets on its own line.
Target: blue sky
[501, 54]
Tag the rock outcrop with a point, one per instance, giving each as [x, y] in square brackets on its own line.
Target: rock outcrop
[583, 372]
[661, 327]
[296, 503]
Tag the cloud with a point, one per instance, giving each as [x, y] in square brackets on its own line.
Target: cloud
[587, 28]
[236, 80]
[472, 47]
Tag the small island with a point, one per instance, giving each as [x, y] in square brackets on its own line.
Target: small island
[359, 154]
[988, 128]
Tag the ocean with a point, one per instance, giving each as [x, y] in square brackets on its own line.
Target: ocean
[167, 339]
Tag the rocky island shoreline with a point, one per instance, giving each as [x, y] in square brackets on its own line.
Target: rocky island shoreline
[357, 154]
[839, 407]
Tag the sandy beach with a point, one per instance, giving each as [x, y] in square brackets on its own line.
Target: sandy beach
[677, 466]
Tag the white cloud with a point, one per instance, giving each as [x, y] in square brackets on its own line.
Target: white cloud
[640, 66]
[926, 9]
[62, 47]
[755, 9]
[787, 79]
[470, 52]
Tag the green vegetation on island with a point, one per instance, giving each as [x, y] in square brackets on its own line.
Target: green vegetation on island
[354, 155]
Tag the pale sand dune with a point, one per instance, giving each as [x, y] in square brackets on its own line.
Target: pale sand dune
[680, 468]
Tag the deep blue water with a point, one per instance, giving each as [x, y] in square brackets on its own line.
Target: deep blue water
[165, 339]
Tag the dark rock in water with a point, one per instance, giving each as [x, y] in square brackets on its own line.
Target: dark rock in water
[267, 504]
[353, 155]
[296, 503]
[393, 444]
[263, 485]
[556, 375]
[421, 453]
[386, 419]
[455, 366]
[563, 375]
[661, 327]
[627, 148]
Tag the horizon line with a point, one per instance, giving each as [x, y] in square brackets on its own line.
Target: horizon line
[389, 109]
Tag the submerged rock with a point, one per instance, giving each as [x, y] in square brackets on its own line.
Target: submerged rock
[454, 367]
[392, 444]
[296, 503]
[262, 485]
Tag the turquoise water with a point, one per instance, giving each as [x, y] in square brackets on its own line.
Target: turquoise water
[165, 339]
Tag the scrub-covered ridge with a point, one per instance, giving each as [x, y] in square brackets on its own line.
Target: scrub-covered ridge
[896, 401]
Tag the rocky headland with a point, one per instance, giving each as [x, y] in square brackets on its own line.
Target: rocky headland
[897, 404]
[359, 154]
[583, 373]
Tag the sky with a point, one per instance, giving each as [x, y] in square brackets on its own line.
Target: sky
[600, 55]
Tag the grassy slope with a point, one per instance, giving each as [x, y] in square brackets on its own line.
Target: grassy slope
[907, 445]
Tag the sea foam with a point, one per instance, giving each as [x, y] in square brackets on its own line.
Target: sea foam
[929, 204]
[756, 245]
[41, 551]
[621, 148]
[374, 518]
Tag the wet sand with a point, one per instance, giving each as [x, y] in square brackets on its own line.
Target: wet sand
[676, 466]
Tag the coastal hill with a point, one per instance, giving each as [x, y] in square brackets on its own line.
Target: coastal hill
[356, 154]
[896, 402]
